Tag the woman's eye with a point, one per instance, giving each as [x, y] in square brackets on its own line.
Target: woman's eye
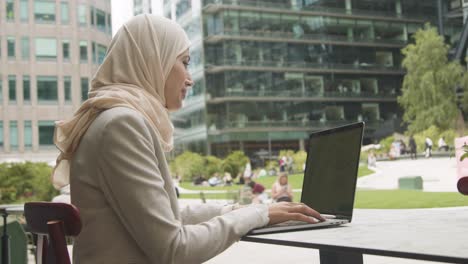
[186, 63]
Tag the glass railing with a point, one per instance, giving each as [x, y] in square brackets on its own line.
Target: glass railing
[314, 8]
[289, 124]
[302, 37]
[281, 63]
[233, 92]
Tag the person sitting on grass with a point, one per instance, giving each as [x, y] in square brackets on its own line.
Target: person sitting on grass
[281, 191]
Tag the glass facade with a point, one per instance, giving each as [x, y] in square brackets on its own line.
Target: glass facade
[44, 11]
[66, 50]
[28, 134]
[269, 72]
[84, 51]
[26, 89]
[67, 88]
[65, 12]
[12, 89]
[25, 48]
[47, 89]
[11, 49]
[13, 134]
[84, 88]
[10, 10]
[46, 133]
[46, 49]
[24, 10]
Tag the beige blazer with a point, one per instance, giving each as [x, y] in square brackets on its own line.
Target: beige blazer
[121, 184]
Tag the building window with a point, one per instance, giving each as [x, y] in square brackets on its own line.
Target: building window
[24, 10]
[11, 47]
[26, 88]
[101, 20]
[82, 15]
[25, 48]
[46, 48]
[13, 135]
[44, 11]
[67, 88]
[91, 15]
[65, 13]
[10, 10]
[109, 24]
[46, 133]
[101, 51]
[84, 89]
[27, 134]
[1, 133]
[66, 50]
[12, 88]
[47, 88]
[84, 51]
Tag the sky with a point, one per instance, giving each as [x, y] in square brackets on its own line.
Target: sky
[122, 10]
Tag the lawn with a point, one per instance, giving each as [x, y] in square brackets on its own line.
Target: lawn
[295, 180]
[385, 199]
[378, 199]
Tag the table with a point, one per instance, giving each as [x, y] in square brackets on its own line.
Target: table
[438, 234]
[5, 210]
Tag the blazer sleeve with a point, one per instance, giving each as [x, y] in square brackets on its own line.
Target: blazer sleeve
[134, 187]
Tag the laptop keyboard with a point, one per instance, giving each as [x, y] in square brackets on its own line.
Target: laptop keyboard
[295, 222]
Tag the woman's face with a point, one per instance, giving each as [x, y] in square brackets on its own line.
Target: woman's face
[178, 82]
[283, 180]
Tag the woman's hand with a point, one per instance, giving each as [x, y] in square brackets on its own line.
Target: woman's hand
[284, 211]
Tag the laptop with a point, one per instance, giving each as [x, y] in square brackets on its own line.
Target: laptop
[329, 179]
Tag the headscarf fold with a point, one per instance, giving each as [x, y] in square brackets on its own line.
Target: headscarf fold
[133, 74]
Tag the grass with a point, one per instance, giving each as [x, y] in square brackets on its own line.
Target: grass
[295, 180]
[368, 199]
[384, 199]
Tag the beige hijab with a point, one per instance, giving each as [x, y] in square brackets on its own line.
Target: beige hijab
[133, 74]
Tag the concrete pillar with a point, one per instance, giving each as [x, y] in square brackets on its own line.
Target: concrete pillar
[302, 144]
[348, 6]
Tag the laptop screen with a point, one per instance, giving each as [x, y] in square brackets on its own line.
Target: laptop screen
[331, 170]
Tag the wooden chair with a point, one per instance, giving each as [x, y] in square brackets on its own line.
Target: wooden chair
[53, 222]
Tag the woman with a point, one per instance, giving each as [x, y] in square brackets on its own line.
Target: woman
[281, 191]
[112, 154]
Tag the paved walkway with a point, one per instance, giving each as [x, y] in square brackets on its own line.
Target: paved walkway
[439, 175]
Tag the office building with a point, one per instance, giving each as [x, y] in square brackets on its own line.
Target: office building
[49, 51]
[269, 72]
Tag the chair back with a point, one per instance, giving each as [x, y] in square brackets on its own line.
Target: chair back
[53, 222]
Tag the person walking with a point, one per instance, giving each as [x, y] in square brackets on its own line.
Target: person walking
[428, 143]
[412, 147]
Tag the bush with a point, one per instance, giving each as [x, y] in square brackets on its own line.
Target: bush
[386, 144]
[20, 182]
[434, 134]
[188, 166]
[299, 159]
[235, 163]
[212, 165]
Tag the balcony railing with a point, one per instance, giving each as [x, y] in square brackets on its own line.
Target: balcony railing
[285, 36]
[340, 11]
[234, 92]
[280, 63]
[288, 124]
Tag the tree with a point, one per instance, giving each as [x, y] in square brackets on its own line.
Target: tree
[212, 165]
[188, 166]
[234, 163]
[428, 92]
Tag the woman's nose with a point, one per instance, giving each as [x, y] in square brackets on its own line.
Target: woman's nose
[189, 82]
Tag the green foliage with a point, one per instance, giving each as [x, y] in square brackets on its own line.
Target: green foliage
[25, 182]
[434, 134]
[386, 144]
[234, 163]
[213, 165]
[188, 166]
[299, 159]
[428, 92]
